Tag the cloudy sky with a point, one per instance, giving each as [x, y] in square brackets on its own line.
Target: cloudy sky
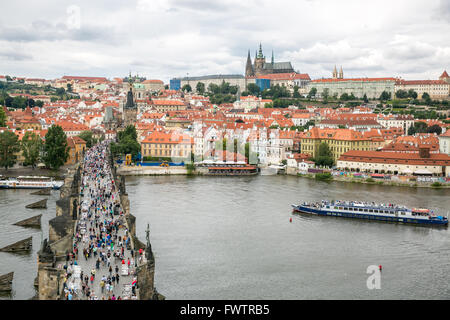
[162, 39]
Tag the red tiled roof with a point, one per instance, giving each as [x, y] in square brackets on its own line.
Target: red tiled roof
[285, 76]
[420, 82]
[355, 79]
[153, 81]
[167, 103]
[437, 159]
[84, 78]
[165, 137]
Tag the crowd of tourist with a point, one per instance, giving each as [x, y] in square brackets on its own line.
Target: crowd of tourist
[102, 263]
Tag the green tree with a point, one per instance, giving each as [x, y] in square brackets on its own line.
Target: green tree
[31, 148]
[401, 94]
[365, 98]
[127, 143]
[324, 156]
[129, 131]
[385, 96]
[213, 88]
[253, 89]
[344, 97]
[9, 146]
[87, 136]
[224, 87]
[312, 92]
[418, 127]
[56, 150]
[2, 117]
[19, 102]
[200, 87]
[425, 96]
[60, 91]
[187, 88]
[296, 94]
[434, 129]
[412, 94]
[325, 93]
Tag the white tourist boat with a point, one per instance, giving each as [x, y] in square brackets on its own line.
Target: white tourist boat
[30, 182]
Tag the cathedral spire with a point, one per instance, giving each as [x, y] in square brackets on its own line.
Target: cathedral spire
[260, 53]
[249, 66]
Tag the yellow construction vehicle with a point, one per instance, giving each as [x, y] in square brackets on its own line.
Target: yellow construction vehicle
[128, 159]
[164, 164]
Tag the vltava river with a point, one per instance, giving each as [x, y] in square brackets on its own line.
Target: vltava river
[12, 210]
[230, 238]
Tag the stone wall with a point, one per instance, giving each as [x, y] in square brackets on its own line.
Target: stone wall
[60, 238]
[145, 276]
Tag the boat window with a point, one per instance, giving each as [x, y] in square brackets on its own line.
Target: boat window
[365, 210]
[370, 210]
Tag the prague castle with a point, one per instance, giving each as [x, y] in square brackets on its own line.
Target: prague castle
[260, 67]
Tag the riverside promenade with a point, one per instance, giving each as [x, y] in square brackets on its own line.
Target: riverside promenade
[93, 252]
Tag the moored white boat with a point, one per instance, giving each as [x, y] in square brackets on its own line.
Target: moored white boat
[30, 182]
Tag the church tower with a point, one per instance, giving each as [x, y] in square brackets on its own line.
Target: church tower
[249, 72]
[130, 107]
[341, 73]
[335, 74]
[259, 62]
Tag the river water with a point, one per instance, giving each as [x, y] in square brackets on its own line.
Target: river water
[12, 210]
[230, 238]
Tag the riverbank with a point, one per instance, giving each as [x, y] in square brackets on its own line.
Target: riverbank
[150, 171]
[172, 170]
[28, 171]
[432, 185]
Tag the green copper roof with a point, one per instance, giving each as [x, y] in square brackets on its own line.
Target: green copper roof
[138, 86]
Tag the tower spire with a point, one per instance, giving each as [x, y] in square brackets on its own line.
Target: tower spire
[248, 66]
[273, 60]
[260, 53]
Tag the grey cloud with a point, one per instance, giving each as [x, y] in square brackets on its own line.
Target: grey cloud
[220, 6]
[14, 55]
[44, 31]
[444, 9]
[410, 51]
